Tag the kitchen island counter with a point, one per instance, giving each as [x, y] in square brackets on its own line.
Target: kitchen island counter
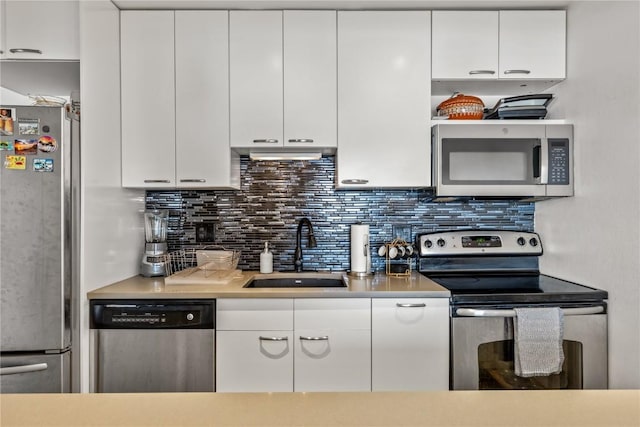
[583, 408]
[376, 286]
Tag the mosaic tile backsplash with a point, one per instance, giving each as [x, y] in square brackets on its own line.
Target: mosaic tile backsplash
[274, 196]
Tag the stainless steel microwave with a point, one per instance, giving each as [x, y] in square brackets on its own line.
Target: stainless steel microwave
[521, 160]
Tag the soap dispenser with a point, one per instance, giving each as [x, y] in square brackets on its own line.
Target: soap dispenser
[266, 260]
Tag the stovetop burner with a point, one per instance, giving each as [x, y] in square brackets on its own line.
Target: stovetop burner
[515, 289]
[495, 267]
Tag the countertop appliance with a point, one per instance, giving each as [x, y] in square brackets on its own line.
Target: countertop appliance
[152, 346]
[524, 160]
[489, 274]
[36, 234]
[153, 261]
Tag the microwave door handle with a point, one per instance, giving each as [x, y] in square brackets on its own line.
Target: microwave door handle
[536, 162]
[544, 162]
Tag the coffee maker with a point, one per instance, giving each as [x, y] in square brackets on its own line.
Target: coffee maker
[155, 248]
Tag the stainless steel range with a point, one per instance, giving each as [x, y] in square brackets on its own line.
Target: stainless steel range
[492, 275]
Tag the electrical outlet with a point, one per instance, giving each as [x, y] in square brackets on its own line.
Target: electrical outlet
[205, 232]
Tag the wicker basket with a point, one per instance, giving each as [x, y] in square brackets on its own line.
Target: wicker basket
[461, 107]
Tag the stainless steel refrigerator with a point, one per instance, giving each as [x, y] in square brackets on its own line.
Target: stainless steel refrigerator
[35, 249]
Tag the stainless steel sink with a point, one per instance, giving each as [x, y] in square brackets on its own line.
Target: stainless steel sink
[297, 280]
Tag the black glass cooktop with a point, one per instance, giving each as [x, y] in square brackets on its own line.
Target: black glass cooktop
[515, 288]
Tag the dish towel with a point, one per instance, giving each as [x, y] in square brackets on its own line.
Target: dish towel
[538, 341]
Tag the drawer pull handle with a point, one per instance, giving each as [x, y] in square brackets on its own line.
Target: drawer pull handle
[323, 338]
[517, 72]
[355, 181]
[302, 140]
[193, 180]
[157, 181]
[24, 50]
[472, 72]
[273, 338]
[421, 304]
[265, 141]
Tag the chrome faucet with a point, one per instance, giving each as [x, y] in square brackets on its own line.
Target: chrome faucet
[311, 244]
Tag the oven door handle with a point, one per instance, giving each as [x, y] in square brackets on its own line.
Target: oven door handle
[476, 312]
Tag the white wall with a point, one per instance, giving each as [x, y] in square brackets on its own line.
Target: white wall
[111, 229]
[593, 238]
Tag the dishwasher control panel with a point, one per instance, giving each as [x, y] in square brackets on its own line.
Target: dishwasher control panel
[142, 314]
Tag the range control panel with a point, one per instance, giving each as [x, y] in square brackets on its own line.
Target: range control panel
[479, 242]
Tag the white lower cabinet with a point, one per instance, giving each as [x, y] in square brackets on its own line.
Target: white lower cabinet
[254, 361]
[254, 339]
[332, 344]
[410, 344]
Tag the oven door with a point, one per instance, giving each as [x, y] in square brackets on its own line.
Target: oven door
[482, 351]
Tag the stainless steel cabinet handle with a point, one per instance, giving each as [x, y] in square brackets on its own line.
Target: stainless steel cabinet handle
[472, 72]
[323, 338]
[517, 72]
[307, 140]
[156, 181]
[24, 50]
[411, 305]
[265, 141]
[473, 312]
[12, 370]
[355, 181]
[193, 180]
[273, 338]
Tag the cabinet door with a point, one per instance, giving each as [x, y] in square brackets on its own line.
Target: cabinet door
[464, 45]
[410, 344]
[41, 30]
[148, 98]
[203, 156]
[383, 99]
[332, 344]
[254, 361]
[310, 79]
[332, 360]
[532, 44]
[255, 39]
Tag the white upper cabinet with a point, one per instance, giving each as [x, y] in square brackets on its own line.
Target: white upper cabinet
[384, 99]
[310, 79]
[203, 156]
[44, 30]
[148, 99]
[175, 111]
[256, 78]
[532, 44]
[283, 79]
[464, 44]
[523, 44]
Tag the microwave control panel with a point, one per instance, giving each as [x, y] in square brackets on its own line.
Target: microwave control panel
[558, 161]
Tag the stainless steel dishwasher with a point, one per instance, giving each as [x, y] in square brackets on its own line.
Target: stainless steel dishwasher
[152, 346]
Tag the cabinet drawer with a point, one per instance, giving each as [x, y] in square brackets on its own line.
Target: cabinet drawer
[333, 313]
[246, 314]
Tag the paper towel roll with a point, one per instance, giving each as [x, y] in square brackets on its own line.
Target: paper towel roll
[360, 253]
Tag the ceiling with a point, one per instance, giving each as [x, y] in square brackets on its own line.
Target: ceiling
[343, 5]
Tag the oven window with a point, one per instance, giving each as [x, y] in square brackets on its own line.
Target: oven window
[488, 161]
[496, 369]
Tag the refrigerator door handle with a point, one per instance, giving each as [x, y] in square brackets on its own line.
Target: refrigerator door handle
[12, 370]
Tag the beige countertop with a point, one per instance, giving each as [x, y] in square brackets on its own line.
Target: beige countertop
[584, 408]
[376, 286]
